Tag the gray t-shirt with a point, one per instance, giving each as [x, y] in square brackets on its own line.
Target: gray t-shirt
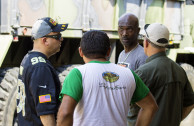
[132, 59]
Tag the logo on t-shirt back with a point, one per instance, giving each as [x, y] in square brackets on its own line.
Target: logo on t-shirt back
[110, 76]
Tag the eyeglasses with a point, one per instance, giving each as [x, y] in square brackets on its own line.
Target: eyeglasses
[57, 36]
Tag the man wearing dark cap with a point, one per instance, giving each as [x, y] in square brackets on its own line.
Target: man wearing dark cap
[38, 84]
[166, 80]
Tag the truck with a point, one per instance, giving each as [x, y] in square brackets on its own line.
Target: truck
[18, 16]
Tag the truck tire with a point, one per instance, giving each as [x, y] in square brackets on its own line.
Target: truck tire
[64, 70]
[189, 120]
[8, 88]
[190, 73]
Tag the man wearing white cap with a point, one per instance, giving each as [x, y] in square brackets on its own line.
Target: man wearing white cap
[166, 80]
[38, 84]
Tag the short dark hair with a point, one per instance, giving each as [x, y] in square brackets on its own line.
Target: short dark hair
[95, 44]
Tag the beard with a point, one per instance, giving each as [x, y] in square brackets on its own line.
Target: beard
[128, 42]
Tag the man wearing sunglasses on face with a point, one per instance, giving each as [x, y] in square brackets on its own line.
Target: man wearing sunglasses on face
[38, 84]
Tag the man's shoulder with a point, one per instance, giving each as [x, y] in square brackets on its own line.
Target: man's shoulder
[140, 50]
[31, 63]
[156, 63]
[139, 47]
[35, 60]
[140, 55]
[145, 67]
[121, 52]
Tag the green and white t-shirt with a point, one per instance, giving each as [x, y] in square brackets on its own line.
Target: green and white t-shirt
[103, 91]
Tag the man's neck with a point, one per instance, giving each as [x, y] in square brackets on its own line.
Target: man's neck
[42, 51]
[129, 48]
[154, 51]
[86, 60]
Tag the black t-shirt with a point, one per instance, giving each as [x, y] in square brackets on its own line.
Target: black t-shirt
[38, 89]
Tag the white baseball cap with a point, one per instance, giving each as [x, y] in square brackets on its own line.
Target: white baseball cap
[157, 33]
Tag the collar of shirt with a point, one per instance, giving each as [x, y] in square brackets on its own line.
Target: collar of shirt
[39, 53]
[99, 62]
[155, 56]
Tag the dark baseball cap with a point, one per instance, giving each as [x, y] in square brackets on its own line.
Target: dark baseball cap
[45, 26]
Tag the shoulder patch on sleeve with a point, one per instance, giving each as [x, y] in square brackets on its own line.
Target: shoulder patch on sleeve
[45, 98]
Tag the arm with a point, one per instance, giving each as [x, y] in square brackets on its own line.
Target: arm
[186, 111]
[148, 109]
[45, 108]
[66, 110]
[48, 120]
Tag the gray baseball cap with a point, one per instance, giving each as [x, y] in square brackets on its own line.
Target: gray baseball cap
[46, 25]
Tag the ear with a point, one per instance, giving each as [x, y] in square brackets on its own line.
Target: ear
[146, 43]
[44, 41]
[108, 52]
[80, 52]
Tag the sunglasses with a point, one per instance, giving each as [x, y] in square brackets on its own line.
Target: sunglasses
[145, 27]
[57, 36]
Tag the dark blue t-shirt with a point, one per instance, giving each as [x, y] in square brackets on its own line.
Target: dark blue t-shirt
[38, 89]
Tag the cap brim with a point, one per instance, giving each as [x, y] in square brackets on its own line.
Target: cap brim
[60, 27]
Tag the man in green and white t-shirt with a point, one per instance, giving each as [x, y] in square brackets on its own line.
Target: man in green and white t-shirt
[99, 93]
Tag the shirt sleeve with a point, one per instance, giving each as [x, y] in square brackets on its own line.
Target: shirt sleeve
[72, 85]
[43, 90]
[141, 90]
[188, 95]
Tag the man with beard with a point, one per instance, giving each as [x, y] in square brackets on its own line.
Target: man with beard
[133, 54]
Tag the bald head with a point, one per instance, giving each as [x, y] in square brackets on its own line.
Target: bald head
[128, 31]
[128, 19]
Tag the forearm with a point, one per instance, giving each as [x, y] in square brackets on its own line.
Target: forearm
[66, 110]
[64, 120]
[48, 120]
[145, 117]
[186, 111]
[147, 111]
